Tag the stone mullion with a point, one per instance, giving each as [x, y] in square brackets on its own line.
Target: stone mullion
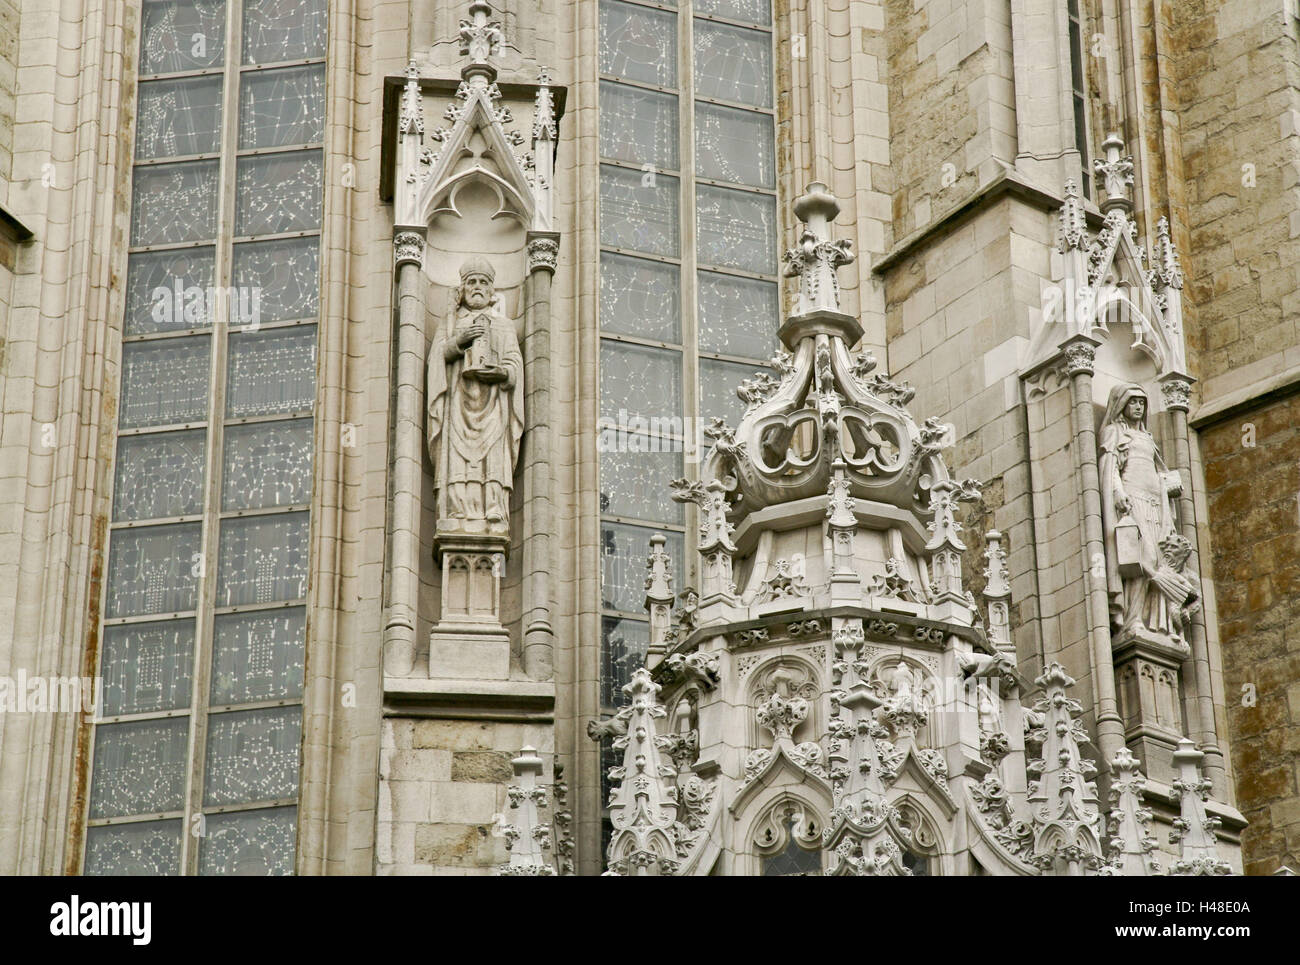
[209, 548]
[689, 281]
[1175, 388]
[1079, 353]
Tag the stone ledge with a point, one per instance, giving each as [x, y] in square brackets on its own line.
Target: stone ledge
[525, 701]
[1266, 390]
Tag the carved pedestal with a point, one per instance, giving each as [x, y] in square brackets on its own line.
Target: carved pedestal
[469, 642]
[1150, 697]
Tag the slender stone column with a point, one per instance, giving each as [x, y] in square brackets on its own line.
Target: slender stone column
[408, 441]
[1080, 353]
[1175, 388]
[539, 636]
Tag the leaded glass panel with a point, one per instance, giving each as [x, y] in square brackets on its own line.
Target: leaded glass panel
[146, 848]
[734, 145]
[282, 107]
[637, 382]
[263, 559]
[271, 372]
[182, 35]
[278, 192]
[258, 656]
[139, 768]
[154, 569]
[634, 477]
[164, 382]
[640, 297]
[638, 125]
[159, 475]
[718, 384]
[252, 756]
[178, 117]
[279, 30]
[146, 667]
[167, 291]
[751, 11]
[638, 210]
[249, 843]
[733, 64]
[623, 552]
[637, 43]
[792, 861]
[284, 272]
[737, 229]
[267, 464]
[173, 203]
[623, 646]
[737, 316]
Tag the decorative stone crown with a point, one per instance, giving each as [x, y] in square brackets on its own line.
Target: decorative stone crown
[824, 405]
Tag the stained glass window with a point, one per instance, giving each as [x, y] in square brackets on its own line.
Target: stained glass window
[174, 202]
[638, 43]
[143, 767]
[277, 192]
[267, 464]
[263, 559]
[178, 117]
[282, 107]
[686, 310]
[258, 656]
[272, 372]
[640, 297]
[638, 210]
[638, 125]
[159, 475]
[167, 291]
[204, 587]
[252, 756]
[147, 667]
[249, 843]
[164, 382]
[283, 275]
[144, 848]
[182, 35]
[733, 64]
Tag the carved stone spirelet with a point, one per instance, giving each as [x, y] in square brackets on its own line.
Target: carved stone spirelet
[475, 405]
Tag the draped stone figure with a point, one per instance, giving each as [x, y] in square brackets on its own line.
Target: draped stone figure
[475, 405]
[1144, 551]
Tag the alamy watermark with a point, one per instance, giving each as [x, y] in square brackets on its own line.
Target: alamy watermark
[240, 305]
[50, 695]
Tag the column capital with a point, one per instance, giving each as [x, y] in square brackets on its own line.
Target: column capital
[1175, 389]
[1080, 354]
[408, 246]
[543, 251]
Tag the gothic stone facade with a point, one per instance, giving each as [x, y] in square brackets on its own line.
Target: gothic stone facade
[472, 203]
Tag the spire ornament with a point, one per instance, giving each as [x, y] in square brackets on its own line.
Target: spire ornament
[1198, 852]
[815, 259]
[527, 837]
[1116, 170]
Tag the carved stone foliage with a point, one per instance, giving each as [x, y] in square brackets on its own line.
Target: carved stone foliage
[782, 583]
[528, 838]
[1131, 843]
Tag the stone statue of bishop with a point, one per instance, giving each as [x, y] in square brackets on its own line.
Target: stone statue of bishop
[475, 405]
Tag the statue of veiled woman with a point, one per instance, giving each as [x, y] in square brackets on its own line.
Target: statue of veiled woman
[1144, 551]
